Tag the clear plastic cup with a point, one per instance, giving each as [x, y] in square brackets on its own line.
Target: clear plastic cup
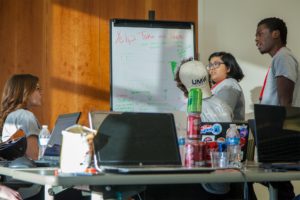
[219, 159]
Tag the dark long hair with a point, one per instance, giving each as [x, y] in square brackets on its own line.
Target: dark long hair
[231, 63]
[16, 93]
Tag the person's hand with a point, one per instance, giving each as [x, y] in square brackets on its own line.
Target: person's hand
[9, 194]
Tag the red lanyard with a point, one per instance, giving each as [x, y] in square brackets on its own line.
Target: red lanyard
[215, 85]
[264, 85]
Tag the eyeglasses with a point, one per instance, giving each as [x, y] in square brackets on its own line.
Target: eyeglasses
[214, 65]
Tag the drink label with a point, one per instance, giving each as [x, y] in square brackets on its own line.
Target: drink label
[193, 126]
[194, 100]
[43, 141]
[232, 141]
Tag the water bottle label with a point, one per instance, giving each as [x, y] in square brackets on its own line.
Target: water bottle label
[43, 141]
[232, 141]
[181, 141]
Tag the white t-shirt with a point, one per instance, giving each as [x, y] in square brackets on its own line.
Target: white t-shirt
[20, 119]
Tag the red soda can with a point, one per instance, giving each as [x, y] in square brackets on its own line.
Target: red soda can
[191, 153]
[201, 160]
[193, 125]
[209, 147]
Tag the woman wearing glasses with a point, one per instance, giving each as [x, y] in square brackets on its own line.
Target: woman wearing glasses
[225, 74]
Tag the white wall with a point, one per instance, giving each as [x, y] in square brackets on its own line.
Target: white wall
[230, 25]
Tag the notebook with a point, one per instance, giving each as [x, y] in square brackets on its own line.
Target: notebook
[216, 131]
[52, 152]
[132, 142]
[278, 135]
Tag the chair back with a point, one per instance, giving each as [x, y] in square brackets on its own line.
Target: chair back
[14, 147]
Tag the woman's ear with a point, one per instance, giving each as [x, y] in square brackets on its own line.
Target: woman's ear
[228, 69]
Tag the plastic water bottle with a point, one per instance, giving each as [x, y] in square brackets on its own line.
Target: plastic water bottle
[44, 137]
[181, 143]
[119, 196]
[233, 146]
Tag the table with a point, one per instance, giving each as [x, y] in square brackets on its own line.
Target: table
[48, 178]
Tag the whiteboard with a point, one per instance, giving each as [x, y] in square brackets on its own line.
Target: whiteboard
[144, 58]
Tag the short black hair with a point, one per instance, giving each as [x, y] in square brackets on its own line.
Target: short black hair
[274, 23]
[231, 63]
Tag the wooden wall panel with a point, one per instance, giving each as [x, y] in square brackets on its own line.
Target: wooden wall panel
[66, 43]
[78, 52]
[128, 9]
[21, 39]
[8, 15]
[177, 10]
[30, 43]
[73, 58]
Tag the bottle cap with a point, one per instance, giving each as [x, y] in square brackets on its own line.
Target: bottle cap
[91, 170]
[232, 125]
[181, 140]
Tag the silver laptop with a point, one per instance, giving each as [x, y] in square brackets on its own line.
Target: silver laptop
[52, 152]
[97, 117]
[132, 142]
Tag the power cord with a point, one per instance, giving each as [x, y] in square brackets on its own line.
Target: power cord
[246, 188]
[139, 196]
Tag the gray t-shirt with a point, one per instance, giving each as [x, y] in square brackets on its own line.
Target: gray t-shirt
[216, 110]
[25, 120]
[230, 91]
[20, 119]
[284, 64]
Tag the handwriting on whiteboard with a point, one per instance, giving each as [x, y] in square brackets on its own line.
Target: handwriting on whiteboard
[144, 63]
[123, 37]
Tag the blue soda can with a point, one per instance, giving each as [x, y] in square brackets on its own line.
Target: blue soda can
[221, 146]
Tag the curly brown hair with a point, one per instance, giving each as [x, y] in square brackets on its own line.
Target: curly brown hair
[16, 93]
[179, 84]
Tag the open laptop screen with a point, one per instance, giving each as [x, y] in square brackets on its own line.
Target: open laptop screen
[277, 133]
[62, 122]
[132, 138]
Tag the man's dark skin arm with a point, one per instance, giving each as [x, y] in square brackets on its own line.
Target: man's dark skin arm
[285, 89]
